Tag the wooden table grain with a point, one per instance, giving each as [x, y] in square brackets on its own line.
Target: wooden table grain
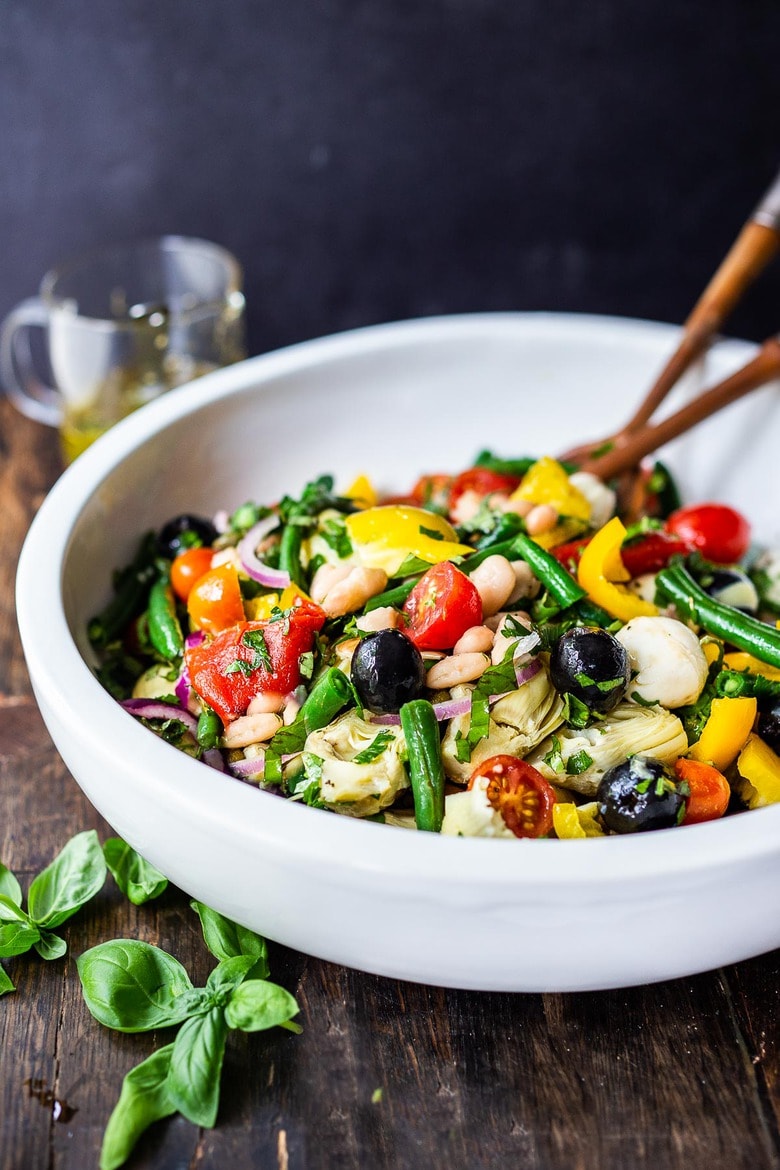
[386, 1074]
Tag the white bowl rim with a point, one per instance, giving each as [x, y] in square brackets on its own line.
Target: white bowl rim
[317, 837]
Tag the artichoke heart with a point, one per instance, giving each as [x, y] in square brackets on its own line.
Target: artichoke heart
[347, 786]
[626, 731]
[518, 721]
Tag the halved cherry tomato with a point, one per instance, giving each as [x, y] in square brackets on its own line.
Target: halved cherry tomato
[442, 606]
[519, 793]
[432, 491]
[710, 791]
[652, 552]
[229, 670]
[483, 481]
[718, 532]
[187, 568]
[215, 602]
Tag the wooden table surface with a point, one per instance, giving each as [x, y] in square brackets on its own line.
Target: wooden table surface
[683, 1074]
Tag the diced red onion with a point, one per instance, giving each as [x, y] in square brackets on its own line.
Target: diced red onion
[213, 757]
[524, 674]
[183, 689]
[151, 709]
[251, 563]
[253, 767]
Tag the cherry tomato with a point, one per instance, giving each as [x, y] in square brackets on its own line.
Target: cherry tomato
[442, 606]
[710, 792]
[214, 601]
[188, 567]
[482, 481]
[269, 657]
[718, 532]
[519, 793]
[432, 491]
[569, 554]
[652, 552]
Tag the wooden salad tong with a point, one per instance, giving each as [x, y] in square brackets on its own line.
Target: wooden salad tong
[757, 243]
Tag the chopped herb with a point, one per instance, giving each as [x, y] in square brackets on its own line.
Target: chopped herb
[575, 713]
[554, 758]
[578, 763]
[375, 748]
[462, 748]
[255, 640]
[497, 680]
[431, 532]
[306, 664]
[635, 695]
[334, 533]
[238, 666]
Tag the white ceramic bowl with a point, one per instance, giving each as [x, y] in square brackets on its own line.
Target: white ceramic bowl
[394, 401]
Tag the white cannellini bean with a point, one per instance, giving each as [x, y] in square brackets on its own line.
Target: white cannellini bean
[519, 507]
[527, 585]
[383, 618]
[457, 668]
[250, 729]
[326, 577]
[352, 593]
[540, 519]
[226, 556]
[495, 581]
[478, 639]
[267, 702]
[290, 711]
[466, 506]
[501, 641]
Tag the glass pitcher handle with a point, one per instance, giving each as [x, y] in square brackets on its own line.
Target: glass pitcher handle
[24, 386]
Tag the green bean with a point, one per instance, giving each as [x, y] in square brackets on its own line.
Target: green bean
[508, 527]
[209, 728]
[330, 693]
[290, 554]
[558, 582]
[675, 584]
[131, 589]
[395, 596]
[421, 732]
[730, 684]
[164, 628]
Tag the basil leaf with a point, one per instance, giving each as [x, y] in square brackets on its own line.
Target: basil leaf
[144, 1099]
[75, 876]
[11, 911]
[196, 1067]
[9, 885]
[257, 1005]
[134, 987]
[50, 945]
[225, 939]
[225, 978]
[375, 749]
[139, 880]
[5, 982]
[16, 938]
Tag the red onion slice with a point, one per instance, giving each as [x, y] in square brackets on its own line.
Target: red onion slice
[213, 757]
[253, 767]
[524, 674]
[251, 563]
[151, 709]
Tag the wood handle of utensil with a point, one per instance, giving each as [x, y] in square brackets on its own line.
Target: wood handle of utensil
[748, 256]
[639, 443]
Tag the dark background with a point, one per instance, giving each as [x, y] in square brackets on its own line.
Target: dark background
[370, 160]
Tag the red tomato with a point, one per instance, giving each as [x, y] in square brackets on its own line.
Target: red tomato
[652, 552]
[569, 554]
[188, 567]
[482, 481]
[269, 654]
[710, 791]
[214, 601]
[432, 491]
[442, 606]
[718, 532]
[520, 793]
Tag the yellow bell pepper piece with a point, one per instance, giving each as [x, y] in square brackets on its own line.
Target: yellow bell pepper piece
[572, 821]
[384, 537]
[741, 660]
[601, 569]
[259, 609]
[546, 482]
[759, 768]
[725, 732]
[362, 492]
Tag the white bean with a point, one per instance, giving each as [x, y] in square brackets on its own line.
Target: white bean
[458, 668]
[250, 729]
[502, 641]
[526, 584]
[466, 506]
[326, 577]
[266, 703]
[382, 618]
[495, 581]
[478, 639]
[541, 519]
[352, 593]
[519, 507]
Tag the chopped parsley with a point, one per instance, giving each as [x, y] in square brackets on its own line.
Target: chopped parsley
[375, 748]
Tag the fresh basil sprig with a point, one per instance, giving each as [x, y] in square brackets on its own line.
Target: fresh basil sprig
[138, 879]
[133, 986]
[75, 876]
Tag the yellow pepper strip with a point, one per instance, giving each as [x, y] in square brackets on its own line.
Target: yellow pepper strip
[725, 732]
[384, 537]
[258, 609]
[759, 768]
[292, 594]
[741, 660]
[566, 823]
[600, 569]
[546, 482]
[362, 492]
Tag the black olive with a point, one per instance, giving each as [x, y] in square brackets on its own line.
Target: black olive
[184, 532]
[768, 725]
[387, 671]
[732, 587]
[591, 665]
[639, 795]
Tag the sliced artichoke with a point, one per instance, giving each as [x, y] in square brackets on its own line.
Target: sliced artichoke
[627, 730]
[518, 721]
[357, 789]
